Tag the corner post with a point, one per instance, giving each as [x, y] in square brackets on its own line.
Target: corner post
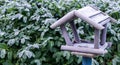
[65, 35]
[103, 35]
[96, 38]
[76, 36]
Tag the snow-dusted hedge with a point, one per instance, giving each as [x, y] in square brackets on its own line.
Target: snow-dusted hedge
[26, 38]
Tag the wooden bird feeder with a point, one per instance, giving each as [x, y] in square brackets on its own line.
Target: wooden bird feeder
[92, 16]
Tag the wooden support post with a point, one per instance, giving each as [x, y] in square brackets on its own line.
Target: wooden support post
[96, 39]
[76, 36]
[65, 35]
[103, 35]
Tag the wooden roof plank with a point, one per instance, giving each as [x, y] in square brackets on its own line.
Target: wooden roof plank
[94, 14]
[88, 20]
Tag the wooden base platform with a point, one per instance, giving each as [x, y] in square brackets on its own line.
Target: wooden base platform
[87, 50]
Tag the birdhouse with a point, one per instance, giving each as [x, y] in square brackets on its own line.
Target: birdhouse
[95, 18]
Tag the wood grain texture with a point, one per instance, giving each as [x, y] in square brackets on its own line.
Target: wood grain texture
[84, 54]
[83, 50]
[65, 35]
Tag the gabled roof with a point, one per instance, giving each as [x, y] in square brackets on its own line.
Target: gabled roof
[89, 14]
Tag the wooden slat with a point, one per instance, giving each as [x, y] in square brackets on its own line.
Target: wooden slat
[86, 45]
[91, 45]
[105, 18]
[105, 21]
[83, 50]
[113, 20]
[87, 11]
[84, 54]
[95, 13]
[88, 20]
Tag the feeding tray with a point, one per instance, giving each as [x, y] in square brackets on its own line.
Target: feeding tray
[87, 49]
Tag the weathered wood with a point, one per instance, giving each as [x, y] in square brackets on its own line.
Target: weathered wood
[104, 46]
[65, 35]
[97, 39]
[105, 21]
[91, 45]
[74, 30]
[105, 18]
[83, 50]
[103, 35]
[94, 14]
[112, 19]
[68, 17]
[88, 20]
[86, 45]
[84, 54]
